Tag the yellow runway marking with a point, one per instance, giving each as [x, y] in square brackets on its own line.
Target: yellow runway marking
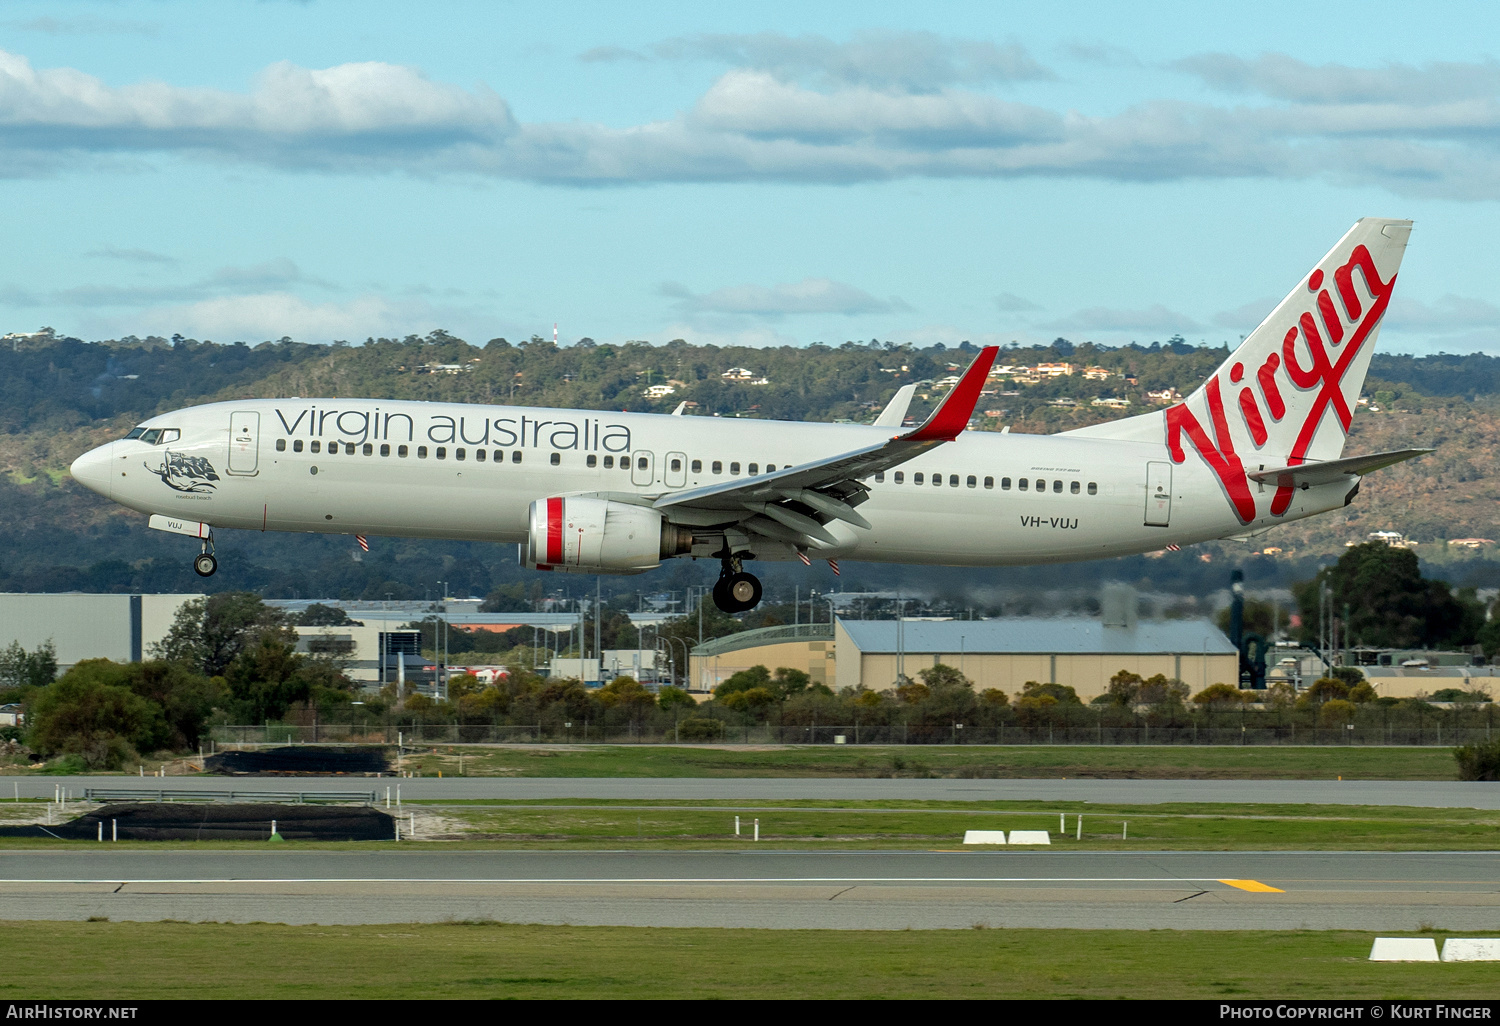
[1253, 885]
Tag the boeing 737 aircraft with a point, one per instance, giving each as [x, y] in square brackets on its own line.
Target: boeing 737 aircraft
[584, 491]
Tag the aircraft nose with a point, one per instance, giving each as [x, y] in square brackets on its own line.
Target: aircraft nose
[95, 469]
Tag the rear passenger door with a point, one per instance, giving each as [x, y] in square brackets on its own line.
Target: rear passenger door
[1158, 494]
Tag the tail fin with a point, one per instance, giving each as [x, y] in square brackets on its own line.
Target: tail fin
[1292, 385]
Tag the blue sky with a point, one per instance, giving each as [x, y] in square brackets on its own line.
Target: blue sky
[761, 174]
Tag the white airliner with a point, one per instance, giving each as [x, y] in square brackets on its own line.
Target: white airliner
[584, 491]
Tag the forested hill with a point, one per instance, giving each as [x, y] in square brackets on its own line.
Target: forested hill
[59, 396]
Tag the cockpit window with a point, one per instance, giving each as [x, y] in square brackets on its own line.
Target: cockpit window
[138, 432]
[169, 435]
[156, 436]
[151, 436]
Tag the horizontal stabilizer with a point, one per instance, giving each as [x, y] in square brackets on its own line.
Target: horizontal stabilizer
[1328, 471]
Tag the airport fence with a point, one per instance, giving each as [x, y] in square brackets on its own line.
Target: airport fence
[697, 731]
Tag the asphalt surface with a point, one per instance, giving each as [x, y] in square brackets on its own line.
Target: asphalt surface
[769, 889]
[1423, 793]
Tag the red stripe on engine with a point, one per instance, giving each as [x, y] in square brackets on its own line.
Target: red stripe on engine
[554, 531]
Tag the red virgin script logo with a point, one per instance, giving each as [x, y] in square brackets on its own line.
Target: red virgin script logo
[1324, 375]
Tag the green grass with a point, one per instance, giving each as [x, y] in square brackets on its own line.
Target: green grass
[906, 825]
[124, 961]
[1003, 761]
[567, 825]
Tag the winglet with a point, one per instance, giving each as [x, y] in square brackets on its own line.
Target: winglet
[895, 410]
[952, 415]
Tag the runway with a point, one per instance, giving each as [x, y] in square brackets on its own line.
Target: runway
[767, 889]
[1421, 793]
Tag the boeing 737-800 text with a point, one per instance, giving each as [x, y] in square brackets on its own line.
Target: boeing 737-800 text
[1260, 443]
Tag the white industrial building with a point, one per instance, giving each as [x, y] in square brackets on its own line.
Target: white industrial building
[119, 627]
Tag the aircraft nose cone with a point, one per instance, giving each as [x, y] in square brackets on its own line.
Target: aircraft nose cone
[95, 469]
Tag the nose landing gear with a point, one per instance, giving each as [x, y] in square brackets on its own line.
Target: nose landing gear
[736, 590]
[204, 564]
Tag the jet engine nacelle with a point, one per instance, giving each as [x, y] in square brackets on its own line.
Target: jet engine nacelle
[585, 535]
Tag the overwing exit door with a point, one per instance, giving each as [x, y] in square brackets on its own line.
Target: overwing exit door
[642, 470]
[244, 443]
[1158, 494]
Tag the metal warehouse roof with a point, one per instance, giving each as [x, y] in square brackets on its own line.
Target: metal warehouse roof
[1050, 635]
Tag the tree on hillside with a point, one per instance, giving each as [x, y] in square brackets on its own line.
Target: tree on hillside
[1391, 605]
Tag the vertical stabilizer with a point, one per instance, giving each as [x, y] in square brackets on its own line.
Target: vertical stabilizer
[1286, 395]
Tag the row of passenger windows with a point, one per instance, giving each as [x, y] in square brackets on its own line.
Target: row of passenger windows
[1022, 484]
[642, 463]
[480, 456]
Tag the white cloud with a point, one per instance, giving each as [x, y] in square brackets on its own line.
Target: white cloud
[808, 296]
[1105, 319]
[793, 110]
[261, 316]
[901, 61]
[1286, 78]
[1448, 313]
[1009, 302]
[133, 256]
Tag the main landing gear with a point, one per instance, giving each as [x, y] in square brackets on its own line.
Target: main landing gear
[736, 590]
[204, 564]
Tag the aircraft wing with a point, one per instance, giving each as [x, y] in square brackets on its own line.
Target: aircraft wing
[1328, 471]
[794, 504]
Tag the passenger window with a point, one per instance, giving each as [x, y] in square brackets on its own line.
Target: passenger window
[315, 446]
[754, 468]
[734, 468]
[499, 455]
[385, 449]
[973, 481]
[917, 478]
[592, 461]
[442, 452]
[479, 455]
[297, 445]
[1005, 484]
[989, 482]
[1093, 488]
[557, 459]
[459, 454]
[1023, 484]
[900, 477]
[1057, 486]
[953, 481]
[676, 465]
[281, 445]
[640, 463]
[624, 462]
[1041, 485]
[421, 452]
[770, 468]
[515, 455]
[1073, 488]
[401, 451]
[697, 466]
[718, 467]
[880, 477]
[369, 449]
[609, 463]
[937, 480]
